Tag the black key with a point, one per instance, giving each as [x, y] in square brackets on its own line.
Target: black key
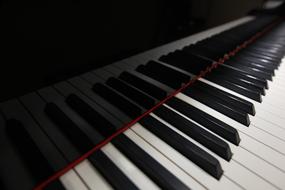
[76, 136]
[218, 105]
[273, 56]
[236, 88]
[220, 128]
[13, 110]
[237, 110]
[262, 64]
[239, 103]
[84, 90]
[29, 151]
[187, 62]
[195, 65]
[10, 160]
[84, 144]
[51, 95]
[129, 91]
[161, 176]
[233, 137]
[249, 70]
[255, 63]
[165, 80]
[167, 71]
[207, 139]
[237, 81]
[197, 155]
[240, 78]
[143, 85]
[255, 51]
[164, 75]
[90, 115]
[153, 169]
[35, 105]
[200, 51]
[117, 100]
[110, 171]
[238, 73]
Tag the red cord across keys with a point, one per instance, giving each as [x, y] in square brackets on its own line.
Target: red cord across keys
[128, 125]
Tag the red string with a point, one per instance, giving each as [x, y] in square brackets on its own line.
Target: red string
[128, 125]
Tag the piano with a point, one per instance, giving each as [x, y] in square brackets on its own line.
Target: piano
[202, 112]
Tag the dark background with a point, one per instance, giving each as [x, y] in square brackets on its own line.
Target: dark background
[43, 42]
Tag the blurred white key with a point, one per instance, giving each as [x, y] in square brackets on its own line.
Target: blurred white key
[91, 176]
[71, 181]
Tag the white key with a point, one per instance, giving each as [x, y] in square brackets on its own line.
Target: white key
[270, 128]
[274, 101]
[91, 176]
[242, 157]
[181, 161]
[276, 87]
[71, 181]
[262, 108]
[228, 90]
[262, 111]
[250, 143]
[170, 166]
[276, 120]
[272, 109]
[256, 133]
[128, 168]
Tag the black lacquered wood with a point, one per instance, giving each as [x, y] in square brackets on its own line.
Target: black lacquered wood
[197, 155]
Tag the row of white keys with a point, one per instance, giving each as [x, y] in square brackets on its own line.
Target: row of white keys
[277, 129]
[176, 168]
[249, 156]
[94, 180]
[83, 177]
[270, 111]
[244, 156]
[262, 136]
[264, 112]
[164, 161]
[90, 178]
[276, 90]
[182, 162]
[259, 124]
[252, 154]
[259, 129]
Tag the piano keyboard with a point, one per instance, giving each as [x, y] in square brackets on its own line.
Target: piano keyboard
[224, 131]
